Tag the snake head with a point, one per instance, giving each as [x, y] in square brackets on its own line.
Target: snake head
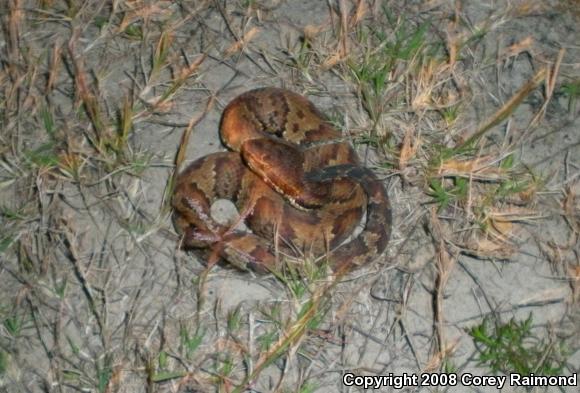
[280, 164]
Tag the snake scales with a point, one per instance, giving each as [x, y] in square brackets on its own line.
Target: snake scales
[299, 190]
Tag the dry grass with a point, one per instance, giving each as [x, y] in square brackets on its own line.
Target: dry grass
[94, 94]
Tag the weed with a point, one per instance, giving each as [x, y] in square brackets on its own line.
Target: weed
[512, 347]
[190, 343]
[572, 90]
[5, 242]
[224, 366]
[303, 59]
[451, 114]
[104, 372]
[385, 52]
[13, 325]
[73, 347]
[4, 360]
[89, 261]
[267, 340]
[443, 196]
[134, 31]
[234, 320]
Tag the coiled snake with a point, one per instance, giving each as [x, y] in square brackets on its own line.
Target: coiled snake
[299, 190]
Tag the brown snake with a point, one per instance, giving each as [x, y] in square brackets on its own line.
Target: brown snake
[299, 190]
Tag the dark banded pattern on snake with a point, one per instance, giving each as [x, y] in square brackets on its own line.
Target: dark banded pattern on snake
[299, 190]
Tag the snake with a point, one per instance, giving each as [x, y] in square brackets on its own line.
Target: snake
[296, 183]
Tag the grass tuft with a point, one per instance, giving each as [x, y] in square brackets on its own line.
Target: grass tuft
[445, 103]
[511, 347]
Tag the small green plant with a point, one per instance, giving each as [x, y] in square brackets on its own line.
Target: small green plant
[299, 280]
[572, 90]
[373, 71]
[60, 288]
[234, 320]
[448, 366]
[13, 325]
[5, 242]
[303, 59]
[439, 153]
[104, 372]
[512, 347]
[74, 348]
[444, 195]
[450, 114]
[224, 365]
[134, 32]
[162, 360]
[190, 343]
[163, 373]
[46, 154]
[3, 362]
[267, 339]
[510, 187]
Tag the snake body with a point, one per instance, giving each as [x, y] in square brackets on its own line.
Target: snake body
[299, 190]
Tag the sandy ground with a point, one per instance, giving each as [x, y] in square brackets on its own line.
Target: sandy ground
[388, 324]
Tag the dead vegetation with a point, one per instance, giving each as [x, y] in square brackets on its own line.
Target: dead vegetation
[94, 97]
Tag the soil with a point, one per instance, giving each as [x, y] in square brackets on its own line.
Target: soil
[388, 326]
